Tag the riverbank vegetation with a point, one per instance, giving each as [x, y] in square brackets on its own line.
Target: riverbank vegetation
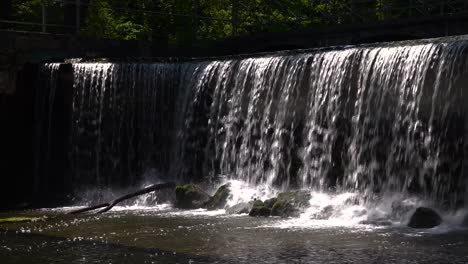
[186, 21]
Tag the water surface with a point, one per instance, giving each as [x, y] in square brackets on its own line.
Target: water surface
[165, 235]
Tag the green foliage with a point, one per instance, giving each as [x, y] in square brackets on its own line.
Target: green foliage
[184, 21]
[27, 10]
[101, 21]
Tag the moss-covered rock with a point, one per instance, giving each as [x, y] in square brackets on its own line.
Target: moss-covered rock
[259, 209]
[220, 198]
[270, 202]
[277, 209]
[284, 209]
[258, 203]
[190, 196]
[299, 199]
[291, 204]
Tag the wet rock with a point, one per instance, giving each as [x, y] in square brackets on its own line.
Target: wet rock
[270, 202]
[353, 200]
[325, 213]
[298, 199]
[291, 204]
[219, 199]
[424, 218]
[190, 196]
[284, 209]
[240, 208]
[259, 209]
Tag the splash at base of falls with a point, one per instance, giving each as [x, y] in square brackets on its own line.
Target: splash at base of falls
[349, 209]
[326, 209]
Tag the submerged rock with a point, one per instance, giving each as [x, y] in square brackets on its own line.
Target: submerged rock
[190, 196]
[241, 208]
[425, 218]
[259, 209]
[219, 199]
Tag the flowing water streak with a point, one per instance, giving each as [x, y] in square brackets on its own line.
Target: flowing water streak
[44, 102]
[120, 121]
[358, 119]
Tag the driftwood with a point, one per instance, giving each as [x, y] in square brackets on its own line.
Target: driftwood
[111, 204]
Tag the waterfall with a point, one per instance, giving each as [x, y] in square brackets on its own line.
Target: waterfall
[121, 120]
[44, 101]
[374, 119]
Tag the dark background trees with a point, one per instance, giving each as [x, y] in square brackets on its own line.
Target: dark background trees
[185, 21]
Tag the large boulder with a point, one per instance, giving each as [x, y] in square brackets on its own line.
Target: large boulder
[291, 204]
[284, 209]
[190, 196]
[259, 209]
[270, 202]
[240, 208]
[424, 217]
[220, 198]
[299, 199]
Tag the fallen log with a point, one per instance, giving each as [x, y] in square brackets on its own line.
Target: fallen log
[108, 206]
[86, 209]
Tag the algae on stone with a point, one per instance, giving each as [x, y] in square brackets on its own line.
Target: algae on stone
[259, 209]
[190, 196]
[270, 202]
[220, 198]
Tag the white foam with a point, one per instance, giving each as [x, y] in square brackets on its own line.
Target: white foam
[347, 209]
[196, 212]
[242, 192]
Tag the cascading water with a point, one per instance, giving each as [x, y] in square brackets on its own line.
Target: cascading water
[373, 119]
[44, 101]
[121, 120]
